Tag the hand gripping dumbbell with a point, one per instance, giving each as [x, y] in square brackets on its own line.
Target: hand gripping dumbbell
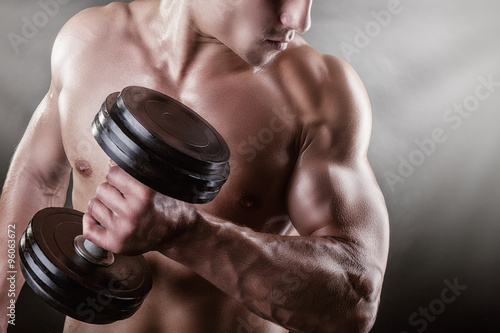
[163, 144]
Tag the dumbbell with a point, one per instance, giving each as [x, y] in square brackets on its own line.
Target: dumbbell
[163, 144]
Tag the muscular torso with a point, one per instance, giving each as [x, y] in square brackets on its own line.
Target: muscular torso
[255, 113]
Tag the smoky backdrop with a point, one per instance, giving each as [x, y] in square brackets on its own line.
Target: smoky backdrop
[432, 71]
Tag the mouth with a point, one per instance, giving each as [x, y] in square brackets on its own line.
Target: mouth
[279, 38]
[277, 44]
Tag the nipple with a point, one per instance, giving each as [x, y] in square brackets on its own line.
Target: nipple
[250, 201]
[83, 167]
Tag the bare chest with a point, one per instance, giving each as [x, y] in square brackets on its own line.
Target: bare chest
[257, 127]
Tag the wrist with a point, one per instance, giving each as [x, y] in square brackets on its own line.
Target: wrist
[194, 240]
[183, 233]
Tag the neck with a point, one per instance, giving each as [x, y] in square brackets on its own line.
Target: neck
[183, 46]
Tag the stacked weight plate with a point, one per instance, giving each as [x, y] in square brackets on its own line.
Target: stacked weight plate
[71, 284]
[163, 144]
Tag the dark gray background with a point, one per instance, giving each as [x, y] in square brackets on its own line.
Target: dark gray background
[444, 216]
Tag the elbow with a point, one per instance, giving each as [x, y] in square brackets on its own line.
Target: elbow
[364, 298]
[355, 308]
[350, 319]
[355, 311]
[362, 319]
[356, 318]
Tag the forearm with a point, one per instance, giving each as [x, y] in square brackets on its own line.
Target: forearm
[305, 284]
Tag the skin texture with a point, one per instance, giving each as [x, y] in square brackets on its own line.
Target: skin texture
[298, 237]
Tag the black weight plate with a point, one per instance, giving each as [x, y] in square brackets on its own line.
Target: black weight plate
[161, 119]
[162, 126]
[69, 283]
[125, 141]
[163, 144]
[109, 134]
[160, 176]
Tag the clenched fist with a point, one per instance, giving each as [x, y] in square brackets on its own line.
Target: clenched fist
[129, 218]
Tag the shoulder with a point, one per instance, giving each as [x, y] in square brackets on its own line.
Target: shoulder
[337, 102]
[321, 68]
[93, 25]
[86, 35]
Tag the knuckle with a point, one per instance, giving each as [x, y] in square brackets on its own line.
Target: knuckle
[101, 190]
[85, 225]
[109, 175]
[87, 234]
[90, 205]
[113, 172]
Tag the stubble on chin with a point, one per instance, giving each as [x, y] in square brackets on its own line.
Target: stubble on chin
[258, 57]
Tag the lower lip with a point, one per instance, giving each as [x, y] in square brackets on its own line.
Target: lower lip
[278, 46]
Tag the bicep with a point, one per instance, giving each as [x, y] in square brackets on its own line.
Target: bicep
[333, 192]
[342, 201]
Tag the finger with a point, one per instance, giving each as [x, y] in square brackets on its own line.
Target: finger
[93, 231]
[101, 213]
[111, 163]
[111, 197]
[121, 180]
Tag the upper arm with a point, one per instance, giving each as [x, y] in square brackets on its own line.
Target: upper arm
[333, 191]
[40, 161]
[40, 156]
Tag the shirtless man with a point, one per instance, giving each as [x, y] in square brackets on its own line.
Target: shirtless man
[298, 237]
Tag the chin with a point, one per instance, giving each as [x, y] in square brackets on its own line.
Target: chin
[259, 59]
